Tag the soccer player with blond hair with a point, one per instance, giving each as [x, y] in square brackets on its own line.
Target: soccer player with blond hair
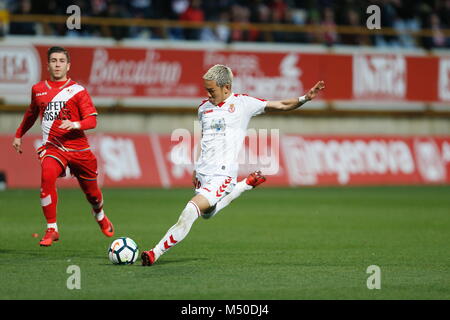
[224, 118]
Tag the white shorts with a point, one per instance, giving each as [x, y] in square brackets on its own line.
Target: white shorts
[213, 187]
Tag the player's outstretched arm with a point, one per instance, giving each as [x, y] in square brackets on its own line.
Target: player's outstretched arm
[294, 103]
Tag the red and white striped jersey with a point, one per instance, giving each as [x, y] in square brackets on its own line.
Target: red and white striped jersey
[55, 101]
[224, 128]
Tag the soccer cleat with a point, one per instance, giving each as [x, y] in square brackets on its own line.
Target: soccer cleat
[50, 235]
[255, 178]
[106, 226]
[148, 258]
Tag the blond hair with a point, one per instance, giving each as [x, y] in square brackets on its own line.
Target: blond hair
[221, 74]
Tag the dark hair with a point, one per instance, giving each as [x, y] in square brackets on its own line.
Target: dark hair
[57, 49]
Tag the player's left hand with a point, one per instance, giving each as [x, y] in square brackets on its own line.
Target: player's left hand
[67, 125]
[314, 91]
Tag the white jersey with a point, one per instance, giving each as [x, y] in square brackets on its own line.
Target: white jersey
[224, 128]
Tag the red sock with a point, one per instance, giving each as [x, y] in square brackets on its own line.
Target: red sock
[93, 193]
[51, 169]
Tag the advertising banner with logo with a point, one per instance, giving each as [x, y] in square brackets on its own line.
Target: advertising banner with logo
[127, 160]
[173, 76]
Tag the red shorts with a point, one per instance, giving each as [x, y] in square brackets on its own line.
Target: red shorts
[82, 164]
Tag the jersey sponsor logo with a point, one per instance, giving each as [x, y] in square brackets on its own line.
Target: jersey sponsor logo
[56, 110]
[218, 125]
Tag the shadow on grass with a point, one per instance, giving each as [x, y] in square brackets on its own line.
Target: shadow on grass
[159, 263]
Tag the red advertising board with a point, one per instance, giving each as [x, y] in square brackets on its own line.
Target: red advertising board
[127, 160]
[158, 75]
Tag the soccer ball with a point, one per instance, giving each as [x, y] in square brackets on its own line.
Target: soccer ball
[123, 251]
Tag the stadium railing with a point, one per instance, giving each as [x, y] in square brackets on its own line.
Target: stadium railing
[165, 24]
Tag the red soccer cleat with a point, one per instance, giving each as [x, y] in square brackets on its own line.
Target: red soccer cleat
[106, 226]
[148, 258]
[50, 235]
[255, 178]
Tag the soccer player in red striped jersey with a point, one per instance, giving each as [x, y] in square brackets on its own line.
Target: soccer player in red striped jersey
[66, 110]
[224, 119]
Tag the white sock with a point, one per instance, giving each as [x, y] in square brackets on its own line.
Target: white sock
[225, 201]
[52, 225]
[99, 216]
[179, 230]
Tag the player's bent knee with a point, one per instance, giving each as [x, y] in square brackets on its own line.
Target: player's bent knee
[201, 202]
[207, 214]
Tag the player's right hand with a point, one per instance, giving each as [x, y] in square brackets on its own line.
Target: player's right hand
[17, 144]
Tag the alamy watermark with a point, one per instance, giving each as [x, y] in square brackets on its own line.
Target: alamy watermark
[74, 280]
[374, 280]
[74, 20]
[260, 149]
[374, 20]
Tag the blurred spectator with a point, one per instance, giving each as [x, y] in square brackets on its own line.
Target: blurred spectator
[443, 8]
[278, 10]
[330, 35]
[437, 39]
[351, 19]
[240, 15]
[116, 11]
[213, 10]
[296, 17]
[99, 9]
[406, 21]
[141, 8]
[259, 12]
[178, 7]
[193, 13]
[4, 18]
[221, 32]
[314, 20]
[388, 16]
[23, 28]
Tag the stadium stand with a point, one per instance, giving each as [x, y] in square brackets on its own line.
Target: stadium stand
[297, 21]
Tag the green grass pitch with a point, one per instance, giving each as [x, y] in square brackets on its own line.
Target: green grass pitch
[287, 243]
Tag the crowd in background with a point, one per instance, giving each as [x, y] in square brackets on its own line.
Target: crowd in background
[402, 15]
